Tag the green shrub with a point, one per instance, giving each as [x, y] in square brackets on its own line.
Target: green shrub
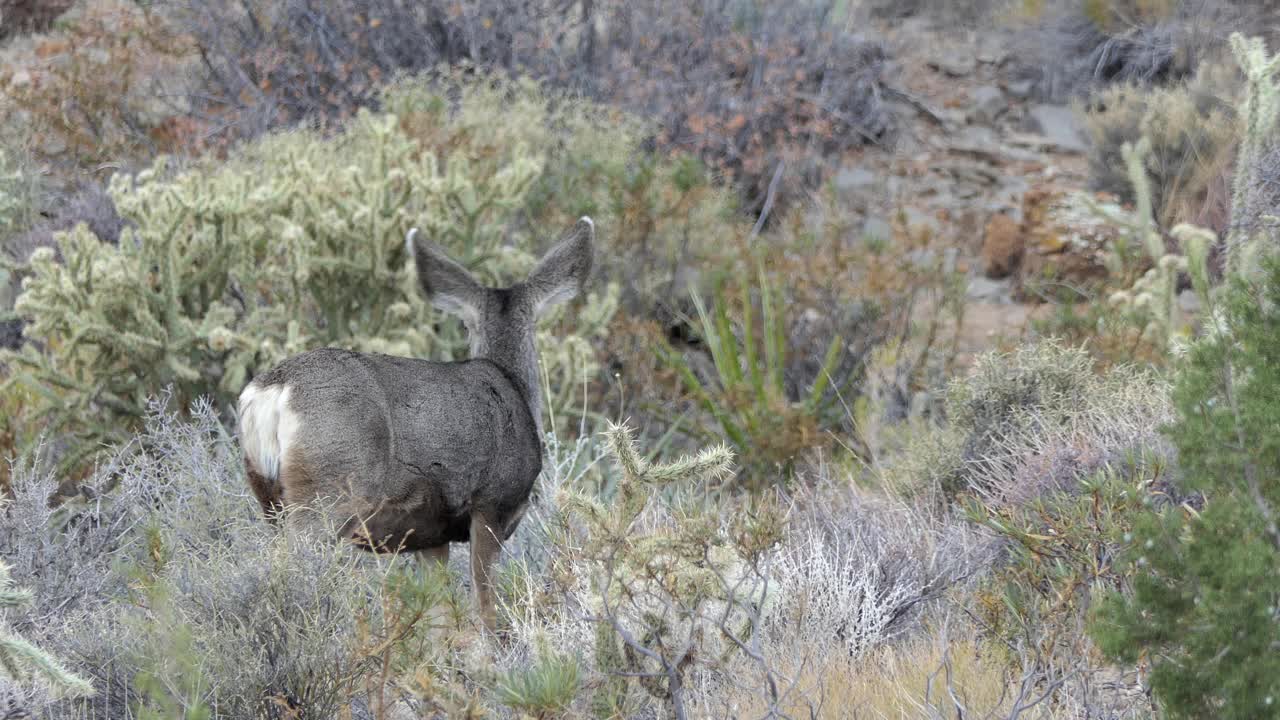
[1061, 550]
[742, 85]
[293, 243]
[647, 578]
[1142, 314]
[17, 200]
[1203, 603]
[1261, 116]
[660, 214]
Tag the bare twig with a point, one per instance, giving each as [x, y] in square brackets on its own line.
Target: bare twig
[769, 198]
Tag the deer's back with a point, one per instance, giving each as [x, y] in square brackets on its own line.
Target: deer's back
[412, 444]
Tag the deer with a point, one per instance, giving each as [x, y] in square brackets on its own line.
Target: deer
[419, 453]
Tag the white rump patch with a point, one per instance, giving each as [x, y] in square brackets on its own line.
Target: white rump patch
[267, 427]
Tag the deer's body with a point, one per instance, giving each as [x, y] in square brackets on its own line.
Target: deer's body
[418, 454]
[435, 442]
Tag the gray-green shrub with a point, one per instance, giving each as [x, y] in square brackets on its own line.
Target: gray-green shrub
[1040, 403]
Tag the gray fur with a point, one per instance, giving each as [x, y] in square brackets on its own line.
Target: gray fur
[426, 453]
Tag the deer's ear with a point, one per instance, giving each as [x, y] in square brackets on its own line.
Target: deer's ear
[445, 283]
[563, 271]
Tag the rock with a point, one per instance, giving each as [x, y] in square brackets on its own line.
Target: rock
[950, 260]
[1020, 89]
[1001, 246]
[992, 52]
[953, 118]
[972, 173]
[985, 289]
[983, 143]
[874, 228]
[923, 259]
[854, 181]
[917, 220]
[955, 62]
[894, 9]
[1057, 124]
[52, 144]
[986, 103]
[20, 78]
[1064, 245]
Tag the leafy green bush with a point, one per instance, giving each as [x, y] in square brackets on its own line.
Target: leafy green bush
[1202, 607]
[293, 243]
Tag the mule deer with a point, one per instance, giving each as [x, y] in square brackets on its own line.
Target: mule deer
[420, 453]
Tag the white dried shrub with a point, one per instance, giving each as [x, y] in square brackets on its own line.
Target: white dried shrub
[545, 600]
[162, 568]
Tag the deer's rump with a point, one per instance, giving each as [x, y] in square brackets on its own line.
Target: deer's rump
[411, 448]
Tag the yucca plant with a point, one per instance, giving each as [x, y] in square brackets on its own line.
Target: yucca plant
[747, 394]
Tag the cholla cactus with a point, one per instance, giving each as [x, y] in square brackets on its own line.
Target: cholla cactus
[20, 660]
[664, 590]
[297, 242]
[1260, 113]
[1150, 301]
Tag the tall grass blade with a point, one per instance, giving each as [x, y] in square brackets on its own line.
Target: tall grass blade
[773, 350]
[731, 374]
[821, 382]
[749, 342]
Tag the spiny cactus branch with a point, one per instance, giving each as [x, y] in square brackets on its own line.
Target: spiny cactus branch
[1261, 103]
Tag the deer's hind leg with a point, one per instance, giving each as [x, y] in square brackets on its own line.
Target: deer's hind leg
[267, 492]
[485, 547]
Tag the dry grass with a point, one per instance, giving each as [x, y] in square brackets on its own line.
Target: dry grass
[926, 677]
[1193, 132]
